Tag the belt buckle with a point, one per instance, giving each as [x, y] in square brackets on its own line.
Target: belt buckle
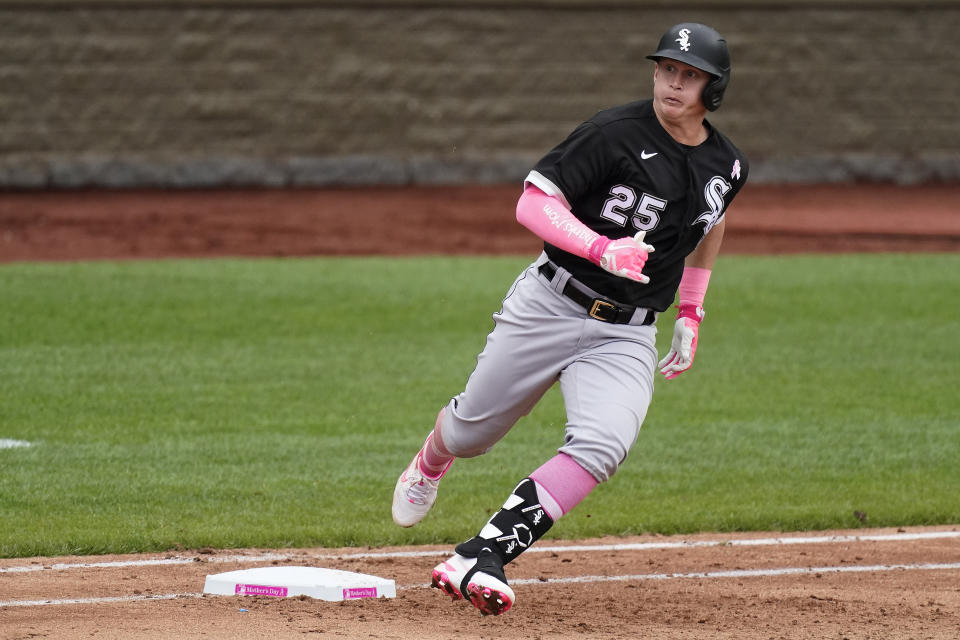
[603, 304]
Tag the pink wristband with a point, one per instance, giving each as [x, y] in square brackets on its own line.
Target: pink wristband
[692, 311]
[597, 248]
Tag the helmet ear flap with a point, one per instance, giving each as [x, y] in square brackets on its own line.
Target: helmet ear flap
[712, 94]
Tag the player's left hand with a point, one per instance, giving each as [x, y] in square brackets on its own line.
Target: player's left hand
[684, 344]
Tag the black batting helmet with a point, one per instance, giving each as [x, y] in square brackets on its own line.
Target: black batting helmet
[702, 47]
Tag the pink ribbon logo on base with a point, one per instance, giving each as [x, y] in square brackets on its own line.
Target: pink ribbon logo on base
[360, 592]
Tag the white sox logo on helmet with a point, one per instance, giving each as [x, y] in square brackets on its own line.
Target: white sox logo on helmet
[684, 39]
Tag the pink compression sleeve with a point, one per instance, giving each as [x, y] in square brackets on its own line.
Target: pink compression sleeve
[548, 218]
[564, 483]
[693, 286]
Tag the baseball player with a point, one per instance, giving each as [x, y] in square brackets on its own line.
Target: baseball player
[630, 207]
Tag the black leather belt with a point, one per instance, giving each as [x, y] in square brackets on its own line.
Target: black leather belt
[599, 308]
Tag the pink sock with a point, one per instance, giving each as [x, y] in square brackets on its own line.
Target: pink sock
[561, 485]
[434, 457]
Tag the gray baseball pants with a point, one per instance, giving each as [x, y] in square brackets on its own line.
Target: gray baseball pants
[540, 336]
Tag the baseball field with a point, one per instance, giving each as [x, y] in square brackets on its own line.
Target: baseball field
[195, 382]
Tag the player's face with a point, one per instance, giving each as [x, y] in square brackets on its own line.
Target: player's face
[676, 89]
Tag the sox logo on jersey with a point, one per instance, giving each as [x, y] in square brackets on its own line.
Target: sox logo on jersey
[713, 193]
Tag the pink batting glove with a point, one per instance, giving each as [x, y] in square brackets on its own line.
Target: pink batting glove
[684, 345]
[624, 257]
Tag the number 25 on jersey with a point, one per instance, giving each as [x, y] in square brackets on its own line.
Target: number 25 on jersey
[623, 201]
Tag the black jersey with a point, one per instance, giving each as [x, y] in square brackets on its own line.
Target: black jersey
[621, 172]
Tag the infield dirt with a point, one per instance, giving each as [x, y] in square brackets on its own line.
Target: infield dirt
[894, 595]
[661, 599]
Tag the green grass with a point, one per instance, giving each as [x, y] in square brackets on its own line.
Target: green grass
[272, 403]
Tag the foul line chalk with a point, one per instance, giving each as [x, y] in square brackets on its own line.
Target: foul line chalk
[266, 557]
[757, 542]
[7, 443]
[105, 600]
[747, 573]
[640, 546]
[711, 575]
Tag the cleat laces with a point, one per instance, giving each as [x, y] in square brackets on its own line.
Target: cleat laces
[419, 492]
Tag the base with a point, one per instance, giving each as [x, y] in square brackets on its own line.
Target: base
[282, 582]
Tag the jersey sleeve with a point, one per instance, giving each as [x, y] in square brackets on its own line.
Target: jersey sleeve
[739, 172]
[743, 170]
[574, 166]
[738, 176]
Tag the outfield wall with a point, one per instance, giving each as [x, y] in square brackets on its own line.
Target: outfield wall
[312, 92]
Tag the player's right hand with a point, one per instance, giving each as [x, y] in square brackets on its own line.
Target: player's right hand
[626, 257]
